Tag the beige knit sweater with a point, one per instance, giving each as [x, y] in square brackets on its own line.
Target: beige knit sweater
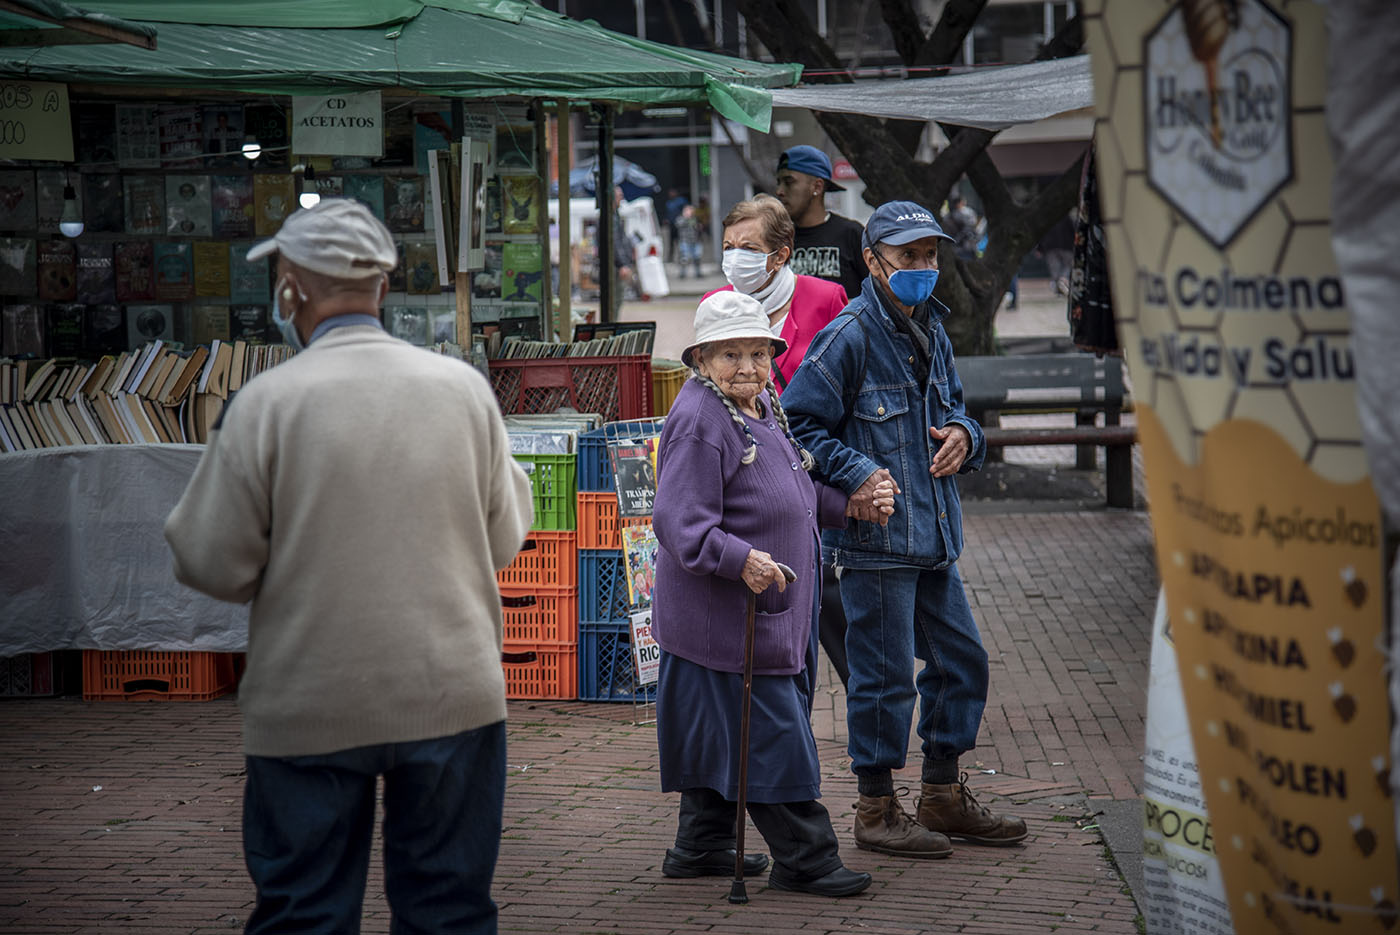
[361, 496]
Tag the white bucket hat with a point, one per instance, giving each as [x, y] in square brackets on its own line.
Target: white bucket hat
[726, 316]
[339, 238]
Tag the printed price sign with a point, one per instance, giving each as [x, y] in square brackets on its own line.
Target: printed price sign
[646, 654]
[34, 121]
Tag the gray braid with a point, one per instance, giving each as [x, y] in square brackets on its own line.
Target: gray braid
[752, 451]
[808, 462]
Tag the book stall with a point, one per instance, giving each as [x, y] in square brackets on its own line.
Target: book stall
[129, 313]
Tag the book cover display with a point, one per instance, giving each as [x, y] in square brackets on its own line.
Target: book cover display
[420, 258]
[368, 190]
[138, 137]
[96, 278]
[96, 128]
[17, 266]
[135, 265]
[223, 136]
[521, 204]
[209, 323]
[268, 124]
[248, 281]
[249, 323]
[181, 136]
[48, 199]
[149, 323]
[408, 323]
[211, 276]
[22, 329]
[66, 326]
[522, 271]
[145, 204]
[639, 547]
[188, 207]
[634, 469]
[232, 197]
[103, 209]
[486, 282]
[58, 271]
[274, 197]
[403, 203]
[398, 276]
[174, 262]
[17, 212]
[105, 330]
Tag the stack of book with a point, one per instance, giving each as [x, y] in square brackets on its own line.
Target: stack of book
[156, 393]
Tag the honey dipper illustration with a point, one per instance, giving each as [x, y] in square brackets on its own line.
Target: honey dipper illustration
[1208, 24]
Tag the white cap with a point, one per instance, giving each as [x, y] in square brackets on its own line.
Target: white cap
[729, 315]
[339, 238]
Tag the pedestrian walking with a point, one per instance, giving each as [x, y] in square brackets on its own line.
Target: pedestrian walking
[826, 245]
[733, 501]
[758, 245]
[360, 497]
[878, 399]
[691, 239]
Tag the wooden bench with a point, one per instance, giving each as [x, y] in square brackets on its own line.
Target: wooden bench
[1039, 383]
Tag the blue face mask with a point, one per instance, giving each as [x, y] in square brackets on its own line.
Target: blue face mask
[913, 286]
[284, 325]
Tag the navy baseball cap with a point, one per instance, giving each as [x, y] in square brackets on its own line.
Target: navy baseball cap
[901, 222]
[809, 161]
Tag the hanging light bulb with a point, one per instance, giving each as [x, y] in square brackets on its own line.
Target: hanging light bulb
[252, 149]
[309, 197]
[70, 222]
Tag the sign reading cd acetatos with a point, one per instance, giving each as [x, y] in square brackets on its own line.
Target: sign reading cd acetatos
[1216, 88]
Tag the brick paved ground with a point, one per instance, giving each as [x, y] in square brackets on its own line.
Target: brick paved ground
[126, 817]
[1064, 601]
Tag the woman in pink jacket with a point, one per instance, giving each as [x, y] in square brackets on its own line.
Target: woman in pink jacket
[757, 246]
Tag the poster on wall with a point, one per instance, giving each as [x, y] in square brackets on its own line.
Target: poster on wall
[338, 125]
[1215, 179]
[36, 113]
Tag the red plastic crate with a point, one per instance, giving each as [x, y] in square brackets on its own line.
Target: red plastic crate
[598, 524]
[553, 674]
[547, 559]
[614, 387]
[156, 676]
[539, 615]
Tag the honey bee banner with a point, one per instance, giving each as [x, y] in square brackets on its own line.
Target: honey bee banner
[1215, 180]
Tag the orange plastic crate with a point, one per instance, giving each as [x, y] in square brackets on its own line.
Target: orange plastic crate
[599, 526]
[156, 676]
[540, 615]
[553, 674]
[547, 559]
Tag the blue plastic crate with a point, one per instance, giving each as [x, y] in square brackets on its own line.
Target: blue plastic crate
[605, 668]
[602, 585]
[594, 470]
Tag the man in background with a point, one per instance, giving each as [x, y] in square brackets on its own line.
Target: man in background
[361, 496]
[826, 245]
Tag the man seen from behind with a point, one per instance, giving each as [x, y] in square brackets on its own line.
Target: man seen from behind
[361, 497]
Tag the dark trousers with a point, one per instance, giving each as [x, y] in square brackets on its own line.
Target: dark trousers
[832, 624]
[798, 834]
[308, 820]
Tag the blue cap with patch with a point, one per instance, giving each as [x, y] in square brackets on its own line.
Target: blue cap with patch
[901, 222]
[809, 161]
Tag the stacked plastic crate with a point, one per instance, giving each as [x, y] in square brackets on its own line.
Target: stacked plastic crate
[606, 670]
[539, 589]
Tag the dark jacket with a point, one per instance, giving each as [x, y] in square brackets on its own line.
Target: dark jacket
[853, 428]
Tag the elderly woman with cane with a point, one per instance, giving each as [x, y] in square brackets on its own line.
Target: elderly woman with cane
[734, 504]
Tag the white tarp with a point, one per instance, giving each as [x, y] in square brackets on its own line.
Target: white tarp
[85, 564]
[990, 98]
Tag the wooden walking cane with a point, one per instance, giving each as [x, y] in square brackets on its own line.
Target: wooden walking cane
[738, 893]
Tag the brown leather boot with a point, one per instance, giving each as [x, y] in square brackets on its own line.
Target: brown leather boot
[953, 810]
[883, 825]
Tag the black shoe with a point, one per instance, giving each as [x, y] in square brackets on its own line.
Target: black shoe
[839, 882]
[683, 863]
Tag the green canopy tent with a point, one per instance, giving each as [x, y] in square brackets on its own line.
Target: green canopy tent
[52, 22]
[452, 48]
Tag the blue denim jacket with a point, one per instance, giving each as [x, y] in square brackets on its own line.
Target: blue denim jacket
[886, 422]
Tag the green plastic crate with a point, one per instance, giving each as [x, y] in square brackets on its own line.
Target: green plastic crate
[553, 481]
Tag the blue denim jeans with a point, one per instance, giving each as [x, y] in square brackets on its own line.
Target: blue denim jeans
[308, 820]
[894, 615]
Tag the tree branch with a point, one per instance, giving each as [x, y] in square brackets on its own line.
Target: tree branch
[946, 40]
[903, 21]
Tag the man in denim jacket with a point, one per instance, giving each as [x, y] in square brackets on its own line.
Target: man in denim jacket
[878, 397]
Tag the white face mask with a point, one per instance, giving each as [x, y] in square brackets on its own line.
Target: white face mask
[746, 270]
[284, 325]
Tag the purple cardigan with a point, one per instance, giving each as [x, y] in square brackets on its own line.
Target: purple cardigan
[710, 510]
